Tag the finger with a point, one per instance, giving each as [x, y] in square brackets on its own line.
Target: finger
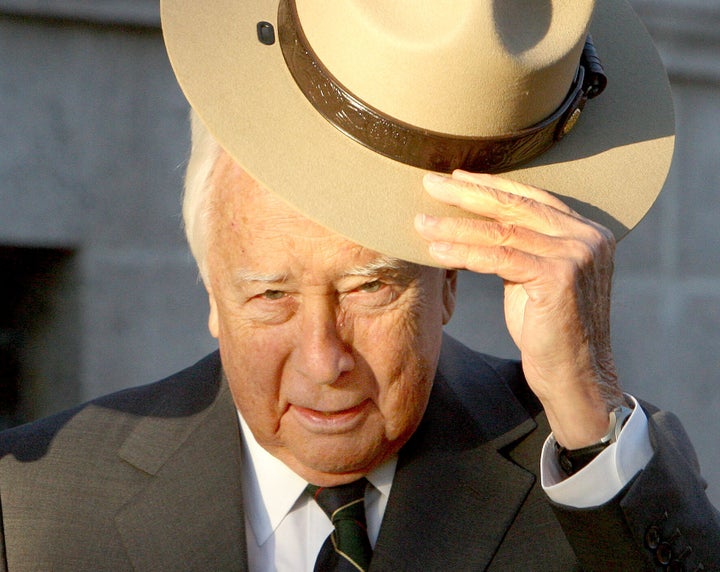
[505, 207]
[509, 264]
[514, 187]
[479, 245]
[486, 233]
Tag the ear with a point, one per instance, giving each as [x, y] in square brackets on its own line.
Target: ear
[449, 294]
[213, 319]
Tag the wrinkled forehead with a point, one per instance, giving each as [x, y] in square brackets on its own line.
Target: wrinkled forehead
[259, 234]
[239, 203]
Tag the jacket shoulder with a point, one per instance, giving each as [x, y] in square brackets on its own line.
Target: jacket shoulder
[182, 394]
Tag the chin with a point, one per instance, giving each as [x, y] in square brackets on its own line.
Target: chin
[342, 458]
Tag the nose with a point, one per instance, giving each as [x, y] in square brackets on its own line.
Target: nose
[322, 354]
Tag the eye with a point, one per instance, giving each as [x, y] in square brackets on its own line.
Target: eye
[269, 307]
[371, 287]
[272, 295]
[373, 294]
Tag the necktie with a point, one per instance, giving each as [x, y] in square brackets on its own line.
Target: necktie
[347, 549]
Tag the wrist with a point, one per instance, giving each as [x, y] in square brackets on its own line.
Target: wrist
[579, 413]
[573, 460]
[579, 424]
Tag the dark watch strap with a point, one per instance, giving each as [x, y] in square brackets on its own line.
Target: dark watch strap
[572, 460]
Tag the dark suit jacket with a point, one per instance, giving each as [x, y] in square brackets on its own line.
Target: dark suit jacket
[149, 479]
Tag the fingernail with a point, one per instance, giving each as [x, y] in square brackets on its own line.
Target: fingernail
[440, 246]
[426, 220]
[434, 178]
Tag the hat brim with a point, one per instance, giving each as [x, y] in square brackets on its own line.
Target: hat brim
[610, 168]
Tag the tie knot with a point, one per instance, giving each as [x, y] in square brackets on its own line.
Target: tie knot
[347, 549]
[342, 501]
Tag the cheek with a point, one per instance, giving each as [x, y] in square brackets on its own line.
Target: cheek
[404, 366]
[253, 365]
[408, 341]
[403, 405]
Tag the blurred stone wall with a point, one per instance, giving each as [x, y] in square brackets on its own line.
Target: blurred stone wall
[93, 140]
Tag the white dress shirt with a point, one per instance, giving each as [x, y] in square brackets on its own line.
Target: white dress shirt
[285, 528]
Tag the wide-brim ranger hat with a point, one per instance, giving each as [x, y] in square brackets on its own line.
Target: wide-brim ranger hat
[341, 106]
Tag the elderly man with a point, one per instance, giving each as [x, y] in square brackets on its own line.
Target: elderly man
[334, 382]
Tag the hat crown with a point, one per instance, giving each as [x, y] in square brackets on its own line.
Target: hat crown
[461, 67]
[610, 168]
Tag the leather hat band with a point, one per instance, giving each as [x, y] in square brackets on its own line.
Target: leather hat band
[419, 147]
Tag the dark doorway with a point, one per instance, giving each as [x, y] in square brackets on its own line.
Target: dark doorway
[38, 332]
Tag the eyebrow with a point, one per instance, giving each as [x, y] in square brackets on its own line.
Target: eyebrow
[244, 275]
[375, 267]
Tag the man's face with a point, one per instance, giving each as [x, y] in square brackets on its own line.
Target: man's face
[329, 348]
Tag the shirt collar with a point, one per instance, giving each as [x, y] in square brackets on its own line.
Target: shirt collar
[271, 489]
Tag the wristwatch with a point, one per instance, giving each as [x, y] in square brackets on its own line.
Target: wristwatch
[572, 460]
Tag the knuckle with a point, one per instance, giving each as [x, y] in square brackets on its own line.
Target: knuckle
[506, 233]
[587, 260]
[602, 239]
[594, 248]
[462, 228]
[453, 225]
[512, 201]
[587, 254]
[504, 256]
[567, 272]
[578, 252]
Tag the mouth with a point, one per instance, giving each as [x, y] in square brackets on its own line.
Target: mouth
[338, 421]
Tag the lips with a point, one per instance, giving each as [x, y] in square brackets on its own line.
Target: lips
[338, 421]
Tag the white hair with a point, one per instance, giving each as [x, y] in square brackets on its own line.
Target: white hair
[204, 153]
[198, 205]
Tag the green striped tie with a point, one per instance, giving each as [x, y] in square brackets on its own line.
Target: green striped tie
[347, 549]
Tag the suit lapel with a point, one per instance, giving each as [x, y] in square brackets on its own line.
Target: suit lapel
[168, 525]
[451, 479]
